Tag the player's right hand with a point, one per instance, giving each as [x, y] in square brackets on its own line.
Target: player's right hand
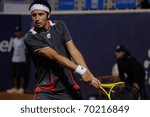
[95, 83]
[88, 78]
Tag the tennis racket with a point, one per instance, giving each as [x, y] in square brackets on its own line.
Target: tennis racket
[107, 88]
[113, 90]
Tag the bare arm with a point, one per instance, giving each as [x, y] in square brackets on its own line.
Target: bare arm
[79, 60]
[52, 54]
[76, 55]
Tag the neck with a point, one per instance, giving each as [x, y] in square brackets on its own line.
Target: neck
[47, 25]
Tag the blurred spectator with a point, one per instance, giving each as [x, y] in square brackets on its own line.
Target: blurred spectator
[115, 73]
[130, 70]
[18, 62]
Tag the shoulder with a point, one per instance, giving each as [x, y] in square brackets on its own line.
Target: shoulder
[60, 26]
[29, 36]
[60, 23]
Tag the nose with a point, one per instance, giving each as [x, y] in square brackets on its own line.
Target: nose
[37, 18]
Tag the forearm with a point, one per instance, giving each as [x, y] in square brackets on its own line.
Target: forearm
[87, 77]
[76, 54]
[64, 61]
[53, 55]
[78, 58]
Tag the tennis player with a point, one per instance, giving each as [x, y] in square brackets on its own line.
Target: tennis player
[55, 57]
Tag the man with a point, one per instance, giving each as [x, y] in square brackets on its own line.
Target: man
[130, 70]
[18, 62]
[55, 57]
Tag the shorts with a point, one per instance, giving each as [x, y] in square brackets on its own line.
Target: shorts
[61, 95]
[18, 70]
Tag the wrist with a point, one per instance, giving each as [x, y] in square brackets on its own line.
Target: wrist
[80, 70]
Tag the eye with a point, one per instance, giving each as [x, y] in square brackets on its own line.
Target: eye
[40, 14]
[33, 15]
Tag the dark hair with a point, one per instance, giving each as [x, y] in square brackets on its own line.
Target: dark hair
[43, 2]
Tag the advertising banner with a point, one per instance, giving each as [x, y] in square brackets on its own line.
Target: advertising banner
[94, 4]
[126, 4]
[66, 4]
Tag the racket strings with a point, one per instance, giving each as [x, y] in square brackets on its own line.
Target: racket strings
[110, 87]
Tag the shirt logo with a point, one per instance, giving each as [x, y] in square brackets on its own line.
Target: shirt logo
[48, 35]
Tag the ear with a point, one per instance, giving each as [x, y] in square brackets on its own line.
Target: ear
[48, 16]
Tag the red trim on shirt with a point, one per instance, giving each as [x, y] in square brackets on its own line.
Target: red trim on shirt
[76, 86]
[50, 87]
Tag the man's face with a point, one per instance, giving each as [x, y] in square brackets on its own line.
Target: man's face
[18, 33]
[40, 18]
[119, 54]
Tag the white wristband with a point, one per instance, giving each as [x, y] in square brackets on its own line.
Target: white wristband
[80, 70]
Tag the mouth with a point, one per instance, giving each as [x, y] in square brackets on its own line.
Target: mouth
[38, 25]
